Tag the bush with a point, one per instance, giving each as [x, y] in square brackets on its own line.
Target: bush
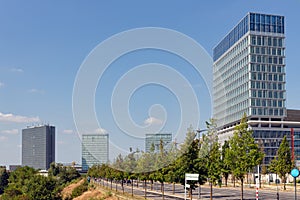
[80, 189]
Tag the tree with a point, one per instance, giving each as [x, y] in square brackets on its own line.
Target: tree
[282, 164]
[190, 161]
[214, 166]
[3, 179]
[225, 163]
[243, 153]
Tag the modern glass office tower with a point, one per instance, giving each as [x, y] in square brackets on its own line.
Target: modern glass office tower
[94, 150]
[38, 146]
[249, 77]
[154, 140]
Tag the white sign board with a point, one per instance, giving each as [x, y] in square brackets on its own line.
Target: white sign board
[192, 177]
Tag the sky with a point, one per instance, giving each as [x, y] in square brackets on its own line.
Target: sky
[45, 47]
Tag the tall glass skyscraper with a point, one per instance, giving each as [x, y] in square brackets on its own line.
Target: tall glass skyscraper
[249, 63]
[155, 139]
[38, 146]
[249, 77]
[94, 150]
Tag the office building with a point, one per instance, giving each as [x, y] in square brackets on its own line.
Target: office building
[94, 150]
[249, 77]
[38, 146]
[154, 141]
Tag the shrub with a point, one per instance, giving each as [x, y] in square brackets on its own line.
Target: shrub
[79, 190]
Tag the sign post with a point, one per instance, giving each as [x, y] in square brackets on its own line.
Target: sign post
[295, 174]
[189, 177]
[257, 182]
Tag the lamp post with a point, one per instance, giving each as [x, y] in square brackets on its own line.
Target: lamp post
[200, 131]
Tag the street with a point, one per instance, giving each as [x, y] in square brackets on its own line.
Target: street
[224, 193]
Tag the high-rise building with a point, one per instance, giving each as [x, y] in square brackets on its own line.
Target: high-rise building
[249, 77]
[154, 141]
[94, 150]
[38, 146]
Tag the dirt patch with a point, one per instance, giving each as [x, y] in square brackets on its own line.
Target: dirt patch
[95, 194]
[67, 191]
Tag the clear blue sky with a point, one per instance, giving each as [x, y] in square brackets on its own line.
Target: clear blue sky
[43, 44]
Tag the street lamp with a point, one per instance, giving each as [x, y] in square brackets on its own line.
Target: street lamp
[200, 131]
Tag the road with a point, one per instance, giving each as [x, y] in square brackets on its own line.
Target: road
[224, 193]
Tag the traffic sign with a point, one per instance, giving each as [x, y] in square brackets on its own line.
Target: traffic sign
[192, 177]
[295, 173]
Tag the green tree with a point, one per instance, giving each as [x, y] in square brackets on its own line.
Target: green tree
[243, 153]
[190, 162]
[214, 166]
[3, 179]
[225, 164]
[282, 164]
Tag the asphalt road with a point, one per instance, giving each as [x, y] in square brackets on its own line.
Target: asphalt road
[224, 193]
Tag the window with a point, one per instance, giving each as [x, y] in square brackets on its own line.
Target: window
[254, 93]
[273, 68]
[257, 50]
[280, 42]
[279, 51]
[258, 40]
[258, 102]
[270, 60]
[259, 76]
[258, 87]
[274, 103]
[259, 93]
[270, 94]
[263, 50]
[281, 95]
[279, 69]
[269, 41]
[270, 78]
[253, 40]
[258, 68]
[275, 42]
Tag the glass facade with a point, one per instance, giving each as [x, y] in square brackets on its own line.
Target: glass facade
[249, 70]
[255, 22]
[155, 140]
[94, 150]
[38, 147]
[270, 141]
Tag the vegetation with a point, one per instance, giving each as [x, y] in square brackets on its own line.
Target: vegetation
[282, 164]
[26, 183]
[243, 153]
[205, 157]
[3, 179]
[79, 190]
